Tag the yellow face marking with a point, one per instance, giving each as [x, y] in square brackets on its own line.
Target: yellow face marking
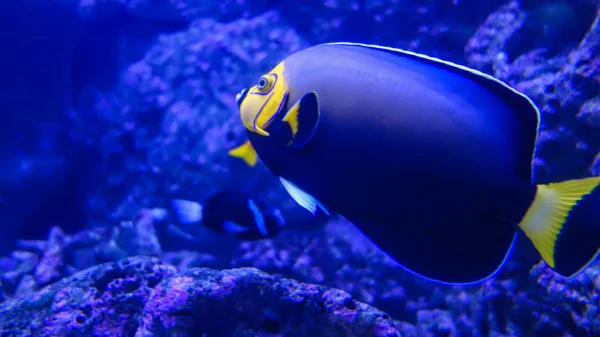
[264, 101]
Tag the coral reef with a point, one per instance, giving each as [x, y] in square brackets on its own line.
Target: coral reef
[558, 68]
[145, 297]
[242, 301]
[170, 122]
[516, 303]
[575, 299]
[106, 300]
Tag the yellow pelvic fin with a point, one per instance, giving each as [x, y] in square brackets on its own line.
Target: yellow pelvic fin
[246, 152]
[561, 214]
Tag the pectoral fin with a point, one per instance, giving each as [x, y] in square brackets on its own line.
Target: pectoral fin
[303, 119]
[245, 152]
[232, 227]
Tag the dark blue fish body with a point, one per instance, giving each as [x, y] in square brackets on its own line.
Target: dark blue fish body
[372, 176]
[430, 161]
[237, 212]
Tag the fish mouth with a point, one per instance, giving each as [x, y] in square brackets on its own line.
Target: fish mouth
[239, 98]
[280, 108]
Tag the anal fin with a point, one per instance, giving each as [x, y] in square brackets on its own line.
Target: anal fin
[462, 252]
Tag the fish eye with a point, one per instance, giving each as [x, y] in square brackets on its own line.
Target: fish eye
[262, 83]
[266, 83]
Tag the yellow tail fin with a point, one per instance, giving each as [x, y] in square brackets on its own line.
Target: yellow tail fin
[246, 152]
[563, 222]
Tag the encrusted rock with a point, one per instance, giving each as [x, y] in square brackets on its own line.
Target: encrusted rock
[248, 302]
[106, 300]
[144, 297]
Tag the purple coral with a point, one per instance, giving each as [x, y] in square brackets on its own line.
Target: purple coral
[243, 302]
[105, 300]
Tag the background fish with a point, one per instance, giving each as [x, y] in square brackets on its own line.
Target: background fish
[430, 160]
[237, 212]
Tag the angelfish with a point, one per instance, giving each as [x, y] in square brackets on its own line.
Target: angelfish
[432, 161]
[239, 213]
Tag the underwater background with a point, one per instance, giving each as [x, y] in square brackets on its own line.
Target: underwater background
[112, 109]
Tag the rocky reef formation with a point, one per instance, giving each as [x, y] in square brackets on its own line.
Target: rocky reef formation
[557, 66]
[518, 302]
[144, 297]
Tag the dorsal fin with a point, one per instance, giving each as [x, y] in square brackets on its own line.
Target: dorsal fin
[526, 111]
